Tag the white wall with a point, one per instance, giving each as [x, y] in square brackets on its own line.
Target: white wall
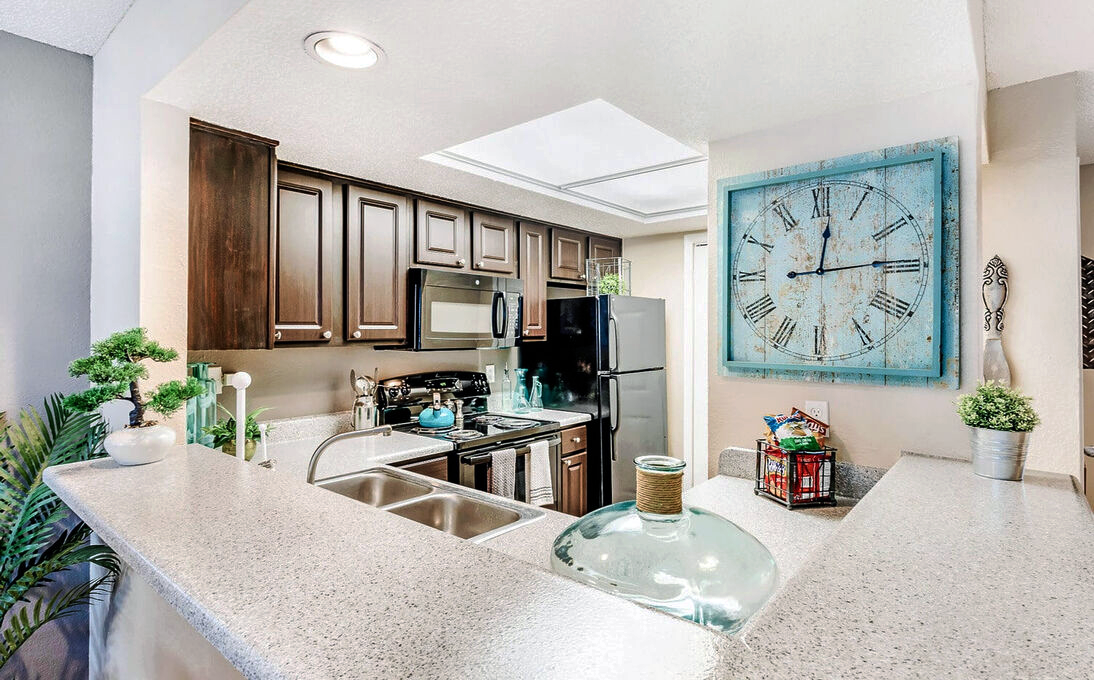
[871, 424]
[150, 41]
[45, 229]
[45, 205]
[1030, 219]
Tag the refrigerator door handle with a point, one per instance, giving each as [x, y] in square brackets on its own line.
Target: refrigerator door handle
[613, 325]
[613, 410]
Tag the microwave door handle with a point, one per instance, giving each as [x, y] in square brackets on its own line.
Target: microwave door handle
[497, 330]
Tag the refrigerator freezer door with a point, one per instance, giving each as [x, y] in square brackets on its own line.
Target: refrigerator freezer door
[634, 331]
[636, 426]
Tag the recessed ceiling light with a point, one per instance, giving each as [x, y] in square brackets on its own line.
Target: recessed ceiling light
[342, 49]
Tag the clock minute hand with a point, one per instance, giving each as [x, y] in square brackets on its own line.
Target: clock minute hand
[875, 263]
[824, 245]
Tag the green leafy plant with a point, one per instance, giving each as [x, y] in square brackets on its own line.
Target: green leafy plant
[997, 407]
[224, 431]
[35, 545]
[611, 284]
[115, 369]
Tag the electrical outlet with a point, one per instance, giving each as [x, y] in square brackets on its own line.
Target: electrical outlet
[489, 371]
[819, 410]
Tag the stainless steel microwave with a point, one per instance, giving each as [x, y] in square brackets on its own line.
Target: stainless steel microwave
[450, 310]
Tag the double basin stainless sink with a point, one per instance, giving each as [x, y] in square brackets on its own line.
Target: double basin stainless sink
[452, 509]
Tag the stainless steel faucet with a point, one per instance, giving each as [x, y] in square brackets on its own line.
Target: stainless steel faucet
[384, 430]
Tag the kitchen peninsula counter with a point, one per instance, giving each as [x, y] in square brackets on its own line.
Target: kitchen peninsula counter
[935, 573]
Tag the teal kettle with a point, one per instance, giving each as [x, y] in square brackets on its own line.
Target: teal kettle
[436, 415]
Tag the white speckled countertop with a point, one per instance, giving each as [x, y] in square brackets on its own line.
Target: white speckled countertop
[288, 580]
[936, 573]
[354, 454]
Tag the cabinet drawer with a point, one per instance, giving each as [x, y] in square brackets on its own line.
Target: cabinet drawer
[573, 440]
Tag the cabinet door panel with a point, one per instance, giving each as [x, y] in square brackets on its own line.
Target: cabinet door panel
[567, 255]
[229, 282]
[573, 488]
[304, 260]
[442, 235]
[533, 273]
[493, 244]
[377, 257]
[437, 468]
[601, 247]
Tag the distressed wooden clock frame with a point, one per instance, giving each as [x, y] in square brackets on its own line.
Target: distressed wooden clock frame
[942, 366]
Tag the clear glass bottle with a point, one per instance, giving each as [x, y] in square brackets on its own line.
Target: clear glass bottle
[535, 403]
[520, 391]
[506, 391]
[684, 561]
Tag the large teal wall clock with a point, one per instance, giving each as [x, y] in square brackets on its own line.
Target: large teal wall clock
[845, 269]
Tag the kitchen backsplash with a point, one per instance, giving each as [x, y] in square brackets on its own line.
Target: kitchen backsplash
[299, 381]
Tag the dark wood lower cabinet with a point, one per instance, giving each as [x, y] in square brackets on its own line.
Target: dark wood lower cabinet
[573, 492]
[437, 468]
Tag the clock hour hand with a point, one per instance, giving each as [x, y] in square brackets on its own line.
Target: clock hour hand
[875, 263]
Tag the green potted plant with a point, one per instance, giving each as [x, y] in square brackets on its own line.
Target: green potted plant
[224, 432]
[40, 540]
[1000, 421]
[611, 284]
[115, 370]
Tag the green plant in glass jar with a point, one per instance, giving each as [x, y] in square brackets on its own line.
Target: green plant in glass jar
[224, 432]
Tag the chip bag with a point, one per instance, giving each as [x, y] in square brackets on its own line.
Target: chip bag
[791, 433]
[819, 428]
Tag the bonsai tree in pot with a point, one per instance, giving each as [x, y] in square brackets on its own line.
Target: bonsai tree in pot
[115, 370]
[1000, 420]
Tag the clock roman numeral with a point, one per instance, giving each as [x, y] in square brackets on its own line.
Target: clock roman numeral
[820, 202]
[890, 304]
[784, 214]
[744, 277]
[757, 310]
[898, 266]
[784, 332]
[766, 246]
[891, 228]
[819, 345]
[859, 204]
[862, 335]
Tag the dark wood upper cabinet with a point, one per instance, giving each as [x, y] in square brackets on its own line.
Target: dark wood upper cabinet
[602, 246]
[568, 254]
[493, 244]
[377, 257]
[534, 263]
[304, 259]
[573, 492]
[442, 235]
[232, 176]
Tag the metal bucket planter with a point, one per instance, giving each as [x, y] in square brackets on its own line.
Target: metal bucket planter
[999, 454]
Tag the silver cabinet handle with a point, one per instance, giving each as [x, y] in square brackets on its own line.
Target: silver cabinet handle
[582, 277]
[356, 334]
[326, 335]
[479, 264]
[460, 262]
[576, 440]
[277, 335]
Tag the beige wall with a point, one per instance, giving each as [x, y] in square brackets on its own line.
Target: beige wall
[1030, 219]
[657, 270]
[871, 424]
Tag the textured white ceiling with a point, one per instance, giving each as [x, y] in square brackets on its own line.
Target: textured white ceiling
[697, 71]
[1027, 41]
[75, 25]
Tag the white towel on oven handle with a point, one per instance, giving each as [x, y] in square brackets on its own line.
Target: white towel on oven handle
[504, 470]
[541, 491]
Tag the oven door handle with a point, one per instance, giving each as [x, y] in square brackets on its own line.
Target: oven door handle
[487, 456]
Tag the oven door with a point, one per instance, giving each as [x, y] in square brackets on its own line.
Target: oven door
[476, 468]
[466, 311]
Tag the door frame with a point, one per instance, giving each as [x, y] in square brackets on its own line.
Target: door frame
[694, 410]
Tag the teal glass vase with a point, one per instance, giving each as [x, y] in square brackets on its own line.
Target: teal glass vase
[655, 551]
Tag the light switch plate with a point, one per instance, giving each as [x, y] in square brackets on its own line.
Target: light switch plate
[819, 410]
[489, 371]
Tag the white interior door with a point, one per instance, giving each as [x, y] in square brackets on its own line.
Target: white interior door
[696, 288]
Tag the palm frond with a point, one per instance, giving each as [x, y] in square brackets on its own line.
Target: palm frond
[68, 551]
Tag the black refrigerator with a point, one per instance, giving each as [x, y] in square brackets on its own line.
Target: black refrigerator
[605, 356]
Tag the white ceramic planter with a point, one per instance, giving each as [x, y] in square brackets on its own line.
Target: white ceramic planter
[140, 445]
